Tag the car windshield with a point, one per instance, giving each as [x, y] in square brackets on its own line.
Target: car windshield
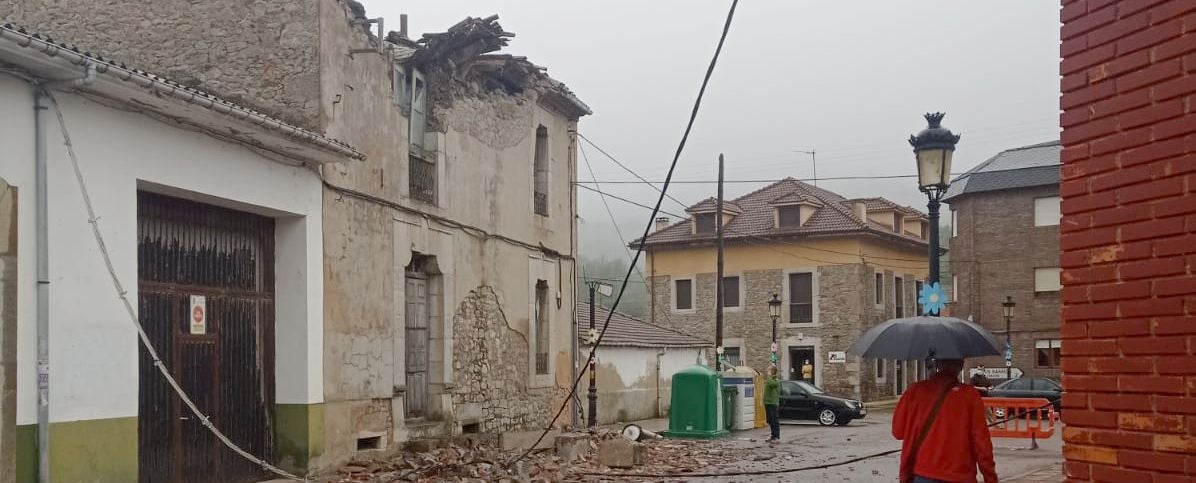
[808, 388]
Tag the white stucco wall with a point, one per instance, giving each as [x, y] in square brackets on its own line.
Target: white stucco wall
[94, 353]
[629, 385]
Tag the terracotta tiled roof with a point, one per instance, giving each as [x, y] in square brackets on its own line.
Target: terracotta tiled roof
[711, 204]
[628, 331]
[881, 204]
[834, 217]
[795, 198]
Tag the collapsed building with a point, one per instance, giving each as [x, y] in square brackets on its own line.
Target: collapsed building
[440, 298]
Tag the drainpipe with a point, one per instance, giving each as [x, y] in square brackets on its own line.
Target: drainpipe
[41, 195]
[659, 354]
[43, 283]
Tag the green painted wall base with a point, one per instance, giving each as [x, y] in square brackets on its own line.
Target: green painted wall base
[95, 450]
[299, 434]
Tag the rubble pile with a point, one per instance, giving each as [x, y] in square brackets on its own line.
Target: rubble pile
[478, 462]
[454, 463]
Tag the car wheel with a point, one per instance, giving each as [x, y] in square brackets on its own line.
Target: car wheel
[827, 417]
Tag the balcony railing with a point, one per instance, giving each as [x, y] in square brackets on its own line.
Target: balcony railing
[422, 180]
[540, 200]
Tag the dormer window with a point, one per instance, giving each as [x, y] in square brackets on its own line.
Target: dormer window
[789, 216]
[794, 210]
[898, 222]
[704, 223]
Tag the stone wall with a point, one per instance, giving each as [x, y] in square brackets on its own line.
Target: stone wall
[259, 53]
[489, 361]
[996, 249]
[844, 309]
[8, 331]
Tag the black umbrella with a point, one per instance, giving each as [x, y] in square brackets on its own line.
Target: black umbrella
[917, 338]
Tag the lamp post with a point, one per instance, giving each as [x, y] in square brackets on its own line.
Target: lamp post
[1007, 309]
[592, 393]
[774, 311]
[933, 148]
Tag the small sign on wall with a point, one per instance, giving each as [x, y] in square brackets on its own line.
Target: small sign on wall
[836, 357]
[199, 315]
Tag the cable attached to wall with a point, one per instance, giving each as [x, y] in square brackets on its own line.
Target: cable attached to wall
[141, 335]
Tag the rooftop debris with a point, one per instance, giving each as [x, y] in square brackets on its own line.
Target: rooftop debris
[477, 462]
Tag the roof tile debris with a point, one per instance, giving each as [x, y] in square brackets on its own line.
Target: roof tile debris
[628, 331]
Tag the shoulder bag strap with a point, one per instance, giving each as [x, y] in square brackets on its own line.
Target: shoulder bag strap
[913, 451]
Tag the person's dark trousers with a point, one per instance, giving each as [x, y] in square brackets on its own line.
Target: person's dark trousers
[774, 420]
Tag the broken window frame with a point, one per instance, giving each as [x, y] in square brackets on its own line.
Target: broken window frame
[540, 173]
[542, 327]
[402, 90]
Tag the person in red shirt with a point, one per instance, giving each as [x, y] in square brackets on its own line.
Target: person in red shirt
[957, 442]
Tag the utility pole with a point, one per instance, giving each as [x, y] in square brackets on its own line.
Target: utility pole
[592, 394]
[718, 281]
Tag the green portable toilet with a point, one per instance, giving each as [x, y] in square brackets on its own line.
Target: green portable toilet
[697, 409]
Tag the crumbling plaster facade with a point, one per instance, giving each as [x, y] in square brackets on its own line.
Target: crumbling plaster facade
[292, 60]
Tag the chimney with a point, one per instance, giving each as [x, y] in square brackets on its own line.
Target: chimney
[662, 223]
[402, 25]
[861, 210]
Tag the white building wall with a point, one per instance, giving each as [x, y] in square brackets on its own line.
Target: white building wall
[631, 385]
[94, 353]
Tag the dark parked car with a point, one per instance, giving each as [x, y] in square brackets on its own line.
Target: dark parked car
[802, 400]
[1030, 387]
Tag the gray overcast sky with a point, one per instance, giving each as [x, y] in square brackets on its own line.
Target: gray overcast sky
[849, 79]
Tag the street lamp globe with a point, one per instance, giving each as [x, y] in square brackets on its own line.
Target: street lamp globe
[933, 148]
[1007, 306]
[774, 307]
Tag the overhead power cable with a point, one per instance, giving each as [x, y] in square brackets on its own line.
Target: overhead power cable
[693, 116]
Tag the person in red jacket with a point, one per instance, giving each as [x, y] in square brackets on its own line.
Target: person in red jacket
[956, 442]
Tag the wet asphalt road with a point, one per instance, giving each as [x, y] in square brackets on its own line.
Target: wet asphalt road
[808, 444]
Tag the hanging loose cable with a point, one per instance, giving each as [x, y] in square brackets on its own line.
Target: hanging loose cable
[693, 116]
[141, 335]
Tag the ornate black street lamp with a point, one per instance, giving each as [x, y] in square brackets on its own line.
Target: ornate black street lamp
[774, 311]
[1007, 310]
[933, 148]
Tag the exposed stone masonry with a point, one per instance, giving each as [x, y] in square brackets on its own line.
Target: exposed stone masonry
[258, 53]
[490, 362]
[844, 309]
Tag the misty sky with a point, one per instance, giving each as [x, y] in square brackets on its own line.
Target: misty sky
[849, 79]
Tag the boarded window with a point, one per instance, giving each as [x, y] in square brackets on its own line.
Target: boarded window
[801, 298]
[1046, 279]
[898, 297]
[1046, 211]
[788, 216]
[540, 173]
[542, 325]
[704, 223]
[730, 291]
[880, 289]
[683, 290]
[1047, 352]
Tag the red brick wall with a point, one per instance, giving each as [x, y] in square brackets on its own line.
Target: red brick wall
[1128, 239]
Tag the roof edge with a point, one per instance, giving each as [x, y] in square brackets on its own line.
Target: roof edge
[68, 54]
